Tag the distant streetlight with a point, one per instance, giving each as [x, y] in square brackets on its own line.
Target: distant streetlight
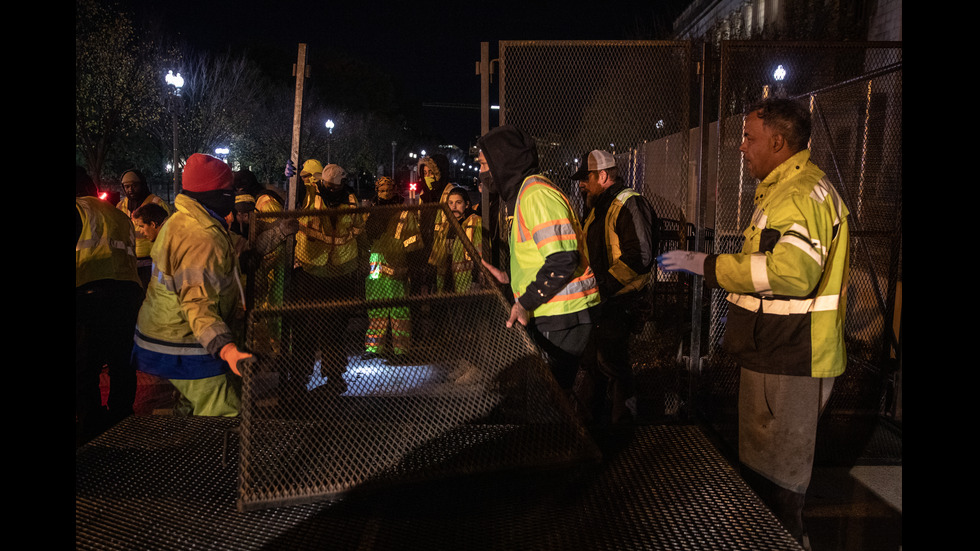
[779, 74]
[177, 82]
[222, 153]
[329, 124]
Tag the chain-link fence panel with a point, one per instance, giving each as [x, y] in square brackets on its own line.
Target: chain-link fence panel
[384, 359]
[854, 91]
[633, 99]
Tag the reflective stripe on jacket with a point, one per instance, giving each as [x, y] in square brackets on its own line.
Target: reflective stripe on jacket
[544, 224]
[389, 252]
[326, 244]
[195, 287]
[440, 232]
[106, 248]
[787, 300]
[615, 275]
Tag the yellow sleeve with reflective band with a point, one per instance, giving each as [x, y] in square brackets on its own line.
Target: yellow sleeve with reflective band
[546, 218]
[794, 266]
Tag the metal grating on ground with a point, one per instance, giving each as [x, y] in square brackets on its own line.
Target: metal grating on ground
[160, 483]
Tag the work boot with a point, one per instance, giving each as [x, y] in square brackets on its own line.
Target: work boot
[788, 507]
[583, 391]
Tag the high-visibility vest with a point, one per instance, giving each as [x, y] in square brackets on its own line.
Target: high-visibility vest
[440, 233]
[334, 248]
[106, 248]
[544, 224]
[628, 277]
[388, 255]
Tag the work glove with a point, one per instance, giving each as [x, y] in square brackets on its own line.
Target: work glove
[231, 354]
[290, 169]
[682, 261]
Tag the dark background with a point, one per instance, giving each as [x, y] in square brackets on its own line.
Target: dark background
[429, 50]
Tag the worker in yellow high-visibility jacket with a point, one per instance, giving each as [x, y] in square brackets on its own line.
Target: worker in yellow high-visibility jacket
[554, 288]
[107, 297]
[184, 330]
[785, 305]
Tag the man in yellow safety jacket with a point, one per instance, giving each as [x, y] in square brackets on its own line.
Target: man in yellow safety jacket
[107, 297]
[184, 330]
[268, 261]
[395, 243]
[327, 253]
[786, 305]
[554, 288]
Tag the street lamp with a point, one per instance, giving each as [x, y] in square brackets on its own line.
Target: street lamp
[776, 90]
[177, 82]
[329, 125]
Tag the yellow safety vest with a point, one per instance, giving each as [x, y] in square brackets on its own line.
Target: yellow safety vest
[195, 288]
[106, 248]
[630, 280]
[544, 224]
[330, 246]
[792, 272]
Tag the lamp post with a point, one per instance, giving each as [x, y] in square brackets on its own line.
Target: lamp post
[177, 82]
[329, 125]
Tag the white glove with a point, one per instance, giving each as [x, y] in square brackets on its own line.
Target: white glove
[682, 261]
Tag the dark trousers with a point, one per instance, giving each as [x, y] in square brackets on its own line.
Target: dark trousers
[318, 330]
[606, 370]
[563, 350]
[105, 319]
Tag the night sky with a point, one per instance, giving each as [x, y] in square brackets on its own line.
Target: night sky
[429, 49]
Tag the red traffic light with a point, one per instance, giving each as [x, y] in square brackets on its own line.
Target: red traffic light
[412, 186]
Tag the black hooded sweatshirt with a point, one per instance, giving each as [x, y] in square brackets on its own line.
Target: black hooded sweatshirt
[512, 156]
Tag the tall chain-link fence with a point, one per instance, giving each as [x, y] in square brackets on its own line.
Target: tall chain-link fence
[854, 92]
[648, 103]
[383, 358]
[633, 99]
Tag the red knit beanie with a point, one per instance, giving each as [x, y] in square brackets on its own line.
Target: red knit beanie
[206, 173]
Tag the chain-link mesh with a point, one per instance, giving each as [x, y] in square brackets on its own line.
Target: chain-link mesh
[633, 99]
[855, 94]
[384, 358]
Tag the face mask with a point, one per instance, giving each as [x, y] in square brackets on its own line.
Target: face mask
[429, 181]
[386, 192]
[486, 180]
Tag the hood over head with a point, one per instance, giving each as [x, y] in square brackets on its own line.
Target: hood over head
[512, 156]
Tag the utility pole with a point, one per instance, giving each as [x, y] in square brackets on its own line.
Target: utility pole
[301, 71]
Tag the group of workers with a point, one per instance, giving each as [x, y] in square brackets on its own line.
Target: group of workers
[579, 289]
